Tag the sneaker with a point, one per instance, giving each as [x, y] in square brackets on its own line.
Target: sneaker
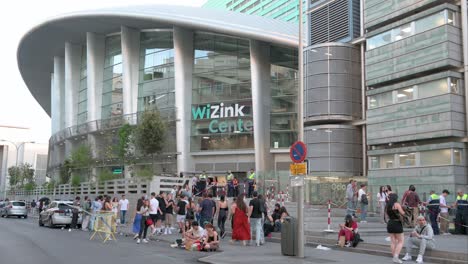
[397, 260]
[224, 234]
[138, 241]
[169, 232]
[419, 259]
[144, 240]
[165, 231]
[407, 257]
[348, 244]
[135, 237]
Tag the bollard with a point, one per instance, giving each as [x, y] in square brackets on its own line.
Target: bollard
[329, 218]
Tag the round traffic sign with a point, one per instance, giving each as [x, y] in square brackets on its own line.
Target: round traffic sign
[298, 152]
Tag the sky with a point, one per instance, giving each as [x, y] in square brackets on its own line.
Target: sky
[17, 106]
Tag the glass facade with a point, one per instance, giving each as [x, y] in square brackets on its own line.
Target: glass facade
[222, 94]
[112, 86]
[439, 157]
[284, 88]
[156, 84]
[83, 90]
[410, 29]
[286, 10]
[419, 91]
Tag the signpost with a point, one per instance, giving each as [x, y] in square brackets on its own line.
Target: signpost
[298, 153]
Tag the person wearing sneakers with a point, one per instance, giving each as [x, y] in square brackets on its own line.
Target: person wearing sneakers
[169, 215]
[422, 237]
[145, 213]
[255, 215]
[153, 213]
[444, 213]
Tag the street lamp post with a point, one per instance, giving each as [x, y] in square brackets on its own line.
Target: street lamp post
[17, 146]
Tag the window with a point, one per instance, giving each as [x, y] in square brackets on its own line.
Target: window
[436, 157]
[410, 29]
[382, 162]
[457, 157]
[423, 90]
[405, 94]
[407, 159]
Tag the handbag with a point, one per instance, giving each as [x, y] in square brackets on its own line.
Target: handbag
[341, 241]
[149, 222]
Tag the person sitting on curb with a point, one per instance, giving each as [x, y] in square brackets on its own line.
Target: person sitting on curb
[348, 229]
[194, 234]
[210, 241]
[421, 237]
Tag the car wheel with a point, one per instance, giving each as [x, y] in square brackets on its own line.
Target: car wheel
[25, 217]
[19, 216]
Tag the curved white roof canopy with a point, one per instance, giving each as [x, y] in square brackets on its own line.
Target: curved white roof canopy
[38, 47]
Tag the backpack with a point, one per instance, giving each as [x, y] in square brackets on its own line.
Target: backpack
[364, 199]
[357, 239]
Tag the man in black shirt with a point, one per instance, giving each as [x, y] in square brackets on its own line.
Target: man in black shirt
[181, 211]
[161, 216]
[255, 214]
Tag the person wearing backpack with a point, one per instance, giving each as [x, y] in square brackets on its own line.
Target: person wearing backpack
[363, 200]
[422, 237]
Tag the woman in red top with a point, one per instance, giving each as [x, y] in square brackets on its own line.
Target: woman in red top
[348, 229]
[241, 226]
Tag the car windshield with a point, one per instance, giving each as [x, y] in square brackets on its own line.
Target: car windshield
[19, 204]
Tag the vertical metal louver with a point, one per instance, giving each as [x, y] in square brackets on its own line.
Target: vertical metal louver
[333, 22]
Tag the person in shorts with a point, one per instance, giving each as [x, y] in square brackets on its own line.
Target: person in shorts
[153, 213]
[181, 211]
[161, 216]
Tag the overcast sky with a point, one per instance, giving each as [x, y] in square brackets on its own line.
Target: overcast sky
[17, 105]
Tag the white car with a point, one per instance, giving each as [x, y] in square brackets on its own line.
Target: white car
[14, 208]
[58, 213]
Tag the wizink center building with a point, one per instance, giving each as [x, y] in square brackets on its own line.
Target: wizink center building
[225, 82]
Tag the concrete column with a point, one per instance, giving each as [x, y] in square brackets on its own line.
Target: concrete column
[95, 49]
[130, 65]
[72, 82]
[183, 66]
[261, 103]
[58, 102]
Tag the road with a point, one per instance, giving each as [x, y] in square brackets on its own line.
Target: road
[22, 241]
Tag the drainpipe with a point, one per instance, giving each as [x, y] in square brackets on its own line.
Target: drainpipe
[363, 92]
[464, 24]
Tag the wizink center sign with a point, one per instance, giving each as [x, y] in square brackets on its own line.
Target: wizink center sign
[216, 113]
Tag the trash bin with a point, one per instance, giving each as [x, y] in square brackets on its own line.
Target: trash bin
[288, 237]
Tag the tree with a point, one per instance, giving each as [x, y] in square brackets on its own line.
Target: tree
[15, 175]
[65, 171]
[81, 158]
[150, 134]
[106, 175]
[27, 173]
[124, 147]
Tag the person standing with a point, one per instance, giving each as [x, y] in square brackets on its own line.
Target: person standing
[381, 202]
[206, 210]
[230, 178]
[251, 182]
[433, 206]
[169, 215]
[444, 216]
[422, 237]
[75, 212]
[96, 207]
[411, 200]
[235, 185]
[181, 210]
[162, 211]
[123, 207]
[241, 226]
[144, 212]
[364, 202]
[137, 218]
[395, 226]
[202, 179]
[461, 219]
[255, 215]
[350, 198]
[223, 212]
[85, 216]
[153, 213]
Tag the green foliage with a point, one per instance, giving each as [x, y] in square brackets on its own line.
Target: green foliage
[15, 175]
[30, 186]
[19, 175]
[65, 171]
[106, 175]
[150, 133]
[123, 147]
[49, 185]
[81, 157]
[144, 173]
[75, 180]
